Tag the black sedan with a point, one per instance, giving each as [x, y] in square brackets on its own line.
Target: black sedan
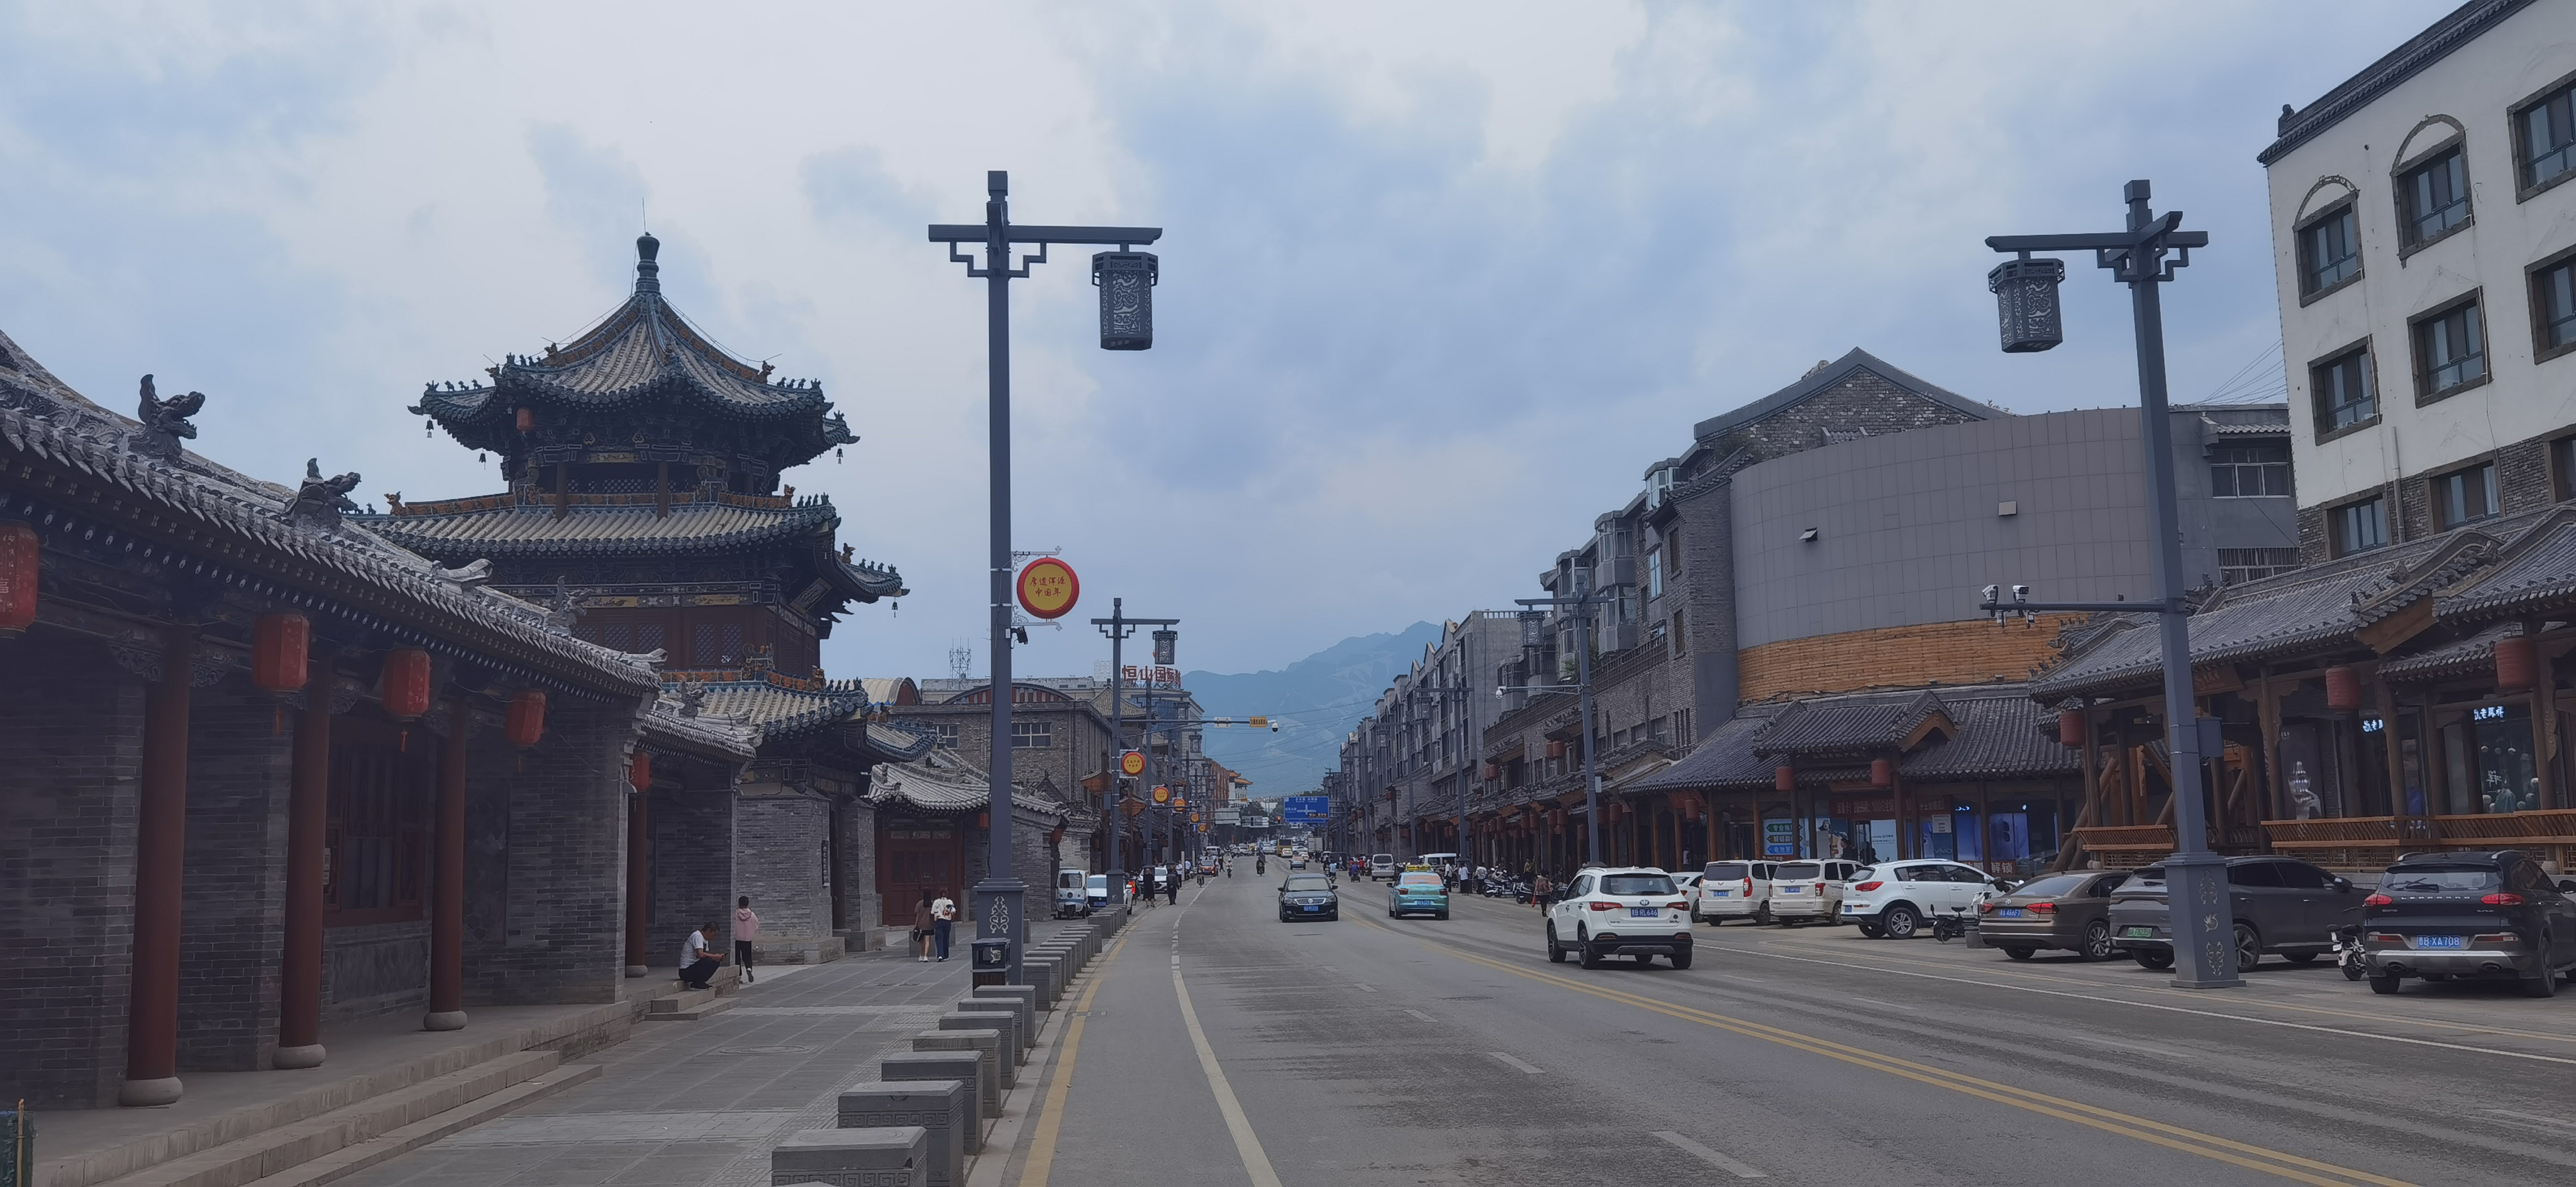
[1308, 896]
[2470, 915]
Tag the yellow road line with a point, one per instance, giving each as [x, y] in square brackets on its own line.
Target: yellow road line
[2284, 1165]
[1041, 1161]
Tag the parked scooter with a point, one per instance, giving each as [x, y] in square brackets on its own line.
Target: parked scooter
[1952, 926]
[2348, 953]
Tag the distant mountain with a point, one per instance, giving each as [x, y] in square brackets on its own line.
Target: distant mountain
[1317, 700]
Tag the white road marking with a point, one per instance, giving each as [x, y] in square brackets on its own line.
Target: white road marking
[2534, 1118]
[1419, 1014]
[1364, 988]
[1515, 1063]
[1247, 1145]
[2142, 1048]
[1711, 1157]
[1883, 1005]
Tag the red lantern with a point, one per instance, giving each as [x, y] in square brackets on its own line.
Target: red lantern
[406, 690]
[1055, 836]
[18, 553]
[2070, 728]
[1882, 773]
[1556, 750]
[526, 720]
[639, 773]
[1493, 771]
[527, 419]
[983, 820]
[2517, 662]
[280, 646]
[1784, 778]
[2343, 689]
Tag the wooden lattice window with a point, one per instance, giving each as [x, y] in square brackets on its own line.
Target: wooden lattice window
[376, 845]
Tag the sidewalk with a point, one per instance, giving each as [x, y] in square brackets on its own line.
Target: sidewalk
[703, 1103]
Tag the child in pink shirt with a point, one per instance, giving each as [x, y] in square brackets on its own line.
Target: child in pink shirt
[746, 924]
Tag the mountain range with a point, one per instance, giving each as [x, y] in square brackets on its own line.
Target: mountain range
[1315, 700]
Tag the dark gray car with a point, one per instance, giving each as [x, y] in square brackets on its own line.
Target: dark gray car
[2281, 906]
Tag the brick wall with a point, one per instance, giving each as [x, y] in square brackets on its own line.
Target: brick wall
[375, 968]
[2523, 483]
[233, 911]
[563, 918]
[1977, 652]
[691, 868]
[66, 869]
[855, 825]
[779, 854]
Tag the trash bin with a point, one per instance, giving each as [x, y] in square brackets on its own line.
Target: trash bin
[992, 962]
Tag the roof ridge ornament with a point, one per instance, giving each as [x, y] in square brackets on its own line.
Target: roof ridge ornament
[319, 502]
[648, 270]
[165, 422]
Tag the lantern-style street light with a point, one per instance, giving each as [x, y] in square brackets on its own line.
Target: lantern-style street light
[1126, 279]
[2143, 257]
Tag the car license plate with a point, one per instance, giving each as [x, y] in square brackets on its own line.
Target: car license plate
[1310, 907]
[1793, 890]
[2138, 933]
[1644, 912]
[1721, 893]
[2010, 912]
[2441, 941]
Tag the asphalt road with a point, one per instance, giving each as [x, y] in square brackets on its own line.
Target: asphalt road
[1378, 1051]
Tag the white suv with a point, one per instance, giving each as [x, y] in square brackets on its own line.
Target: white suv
[1732, 890]
[1810, 890]
[1893, 899]
[1622, 911]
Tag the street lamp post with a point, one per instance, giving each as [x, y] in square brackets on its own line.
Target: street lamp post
[2026, 294]
[1584, 599]
[1118, 627]
[1125, 278]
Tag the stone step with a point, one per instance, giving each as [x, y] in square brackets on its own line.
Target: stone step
[349, 1160]
[689, 1005]
[286, 1147]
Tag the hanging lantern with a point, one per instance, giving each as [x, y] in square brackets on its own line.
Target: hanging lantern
[1556, 750]
[1882, 773]
[1055, 836]
[2517, 663]
[1784, 778]
[2070, 728]
[2026, 303]
[526, 720]
[639, 773]
[527, 419]
[406, 683]
[19, 550]
[280, 646]
[1126, 281]
[1167, 647]
[1493, 771]
[2343, 689]
[1533, 628]
[984, 819]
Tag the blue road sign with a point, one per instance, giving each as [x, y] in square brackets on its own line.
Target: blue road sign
[1306, 809]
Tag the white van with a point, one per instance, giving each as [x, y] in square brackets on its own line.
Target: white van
[1382, 867]
[1732, 890]
[1072, 893]
[1811, 889]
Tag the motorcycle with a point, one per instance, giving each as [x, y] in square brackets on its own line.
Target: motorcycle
[2348, 953]
[1952, 926]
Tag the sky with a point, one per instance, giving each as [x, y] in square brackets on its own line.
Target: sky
[1438, 280]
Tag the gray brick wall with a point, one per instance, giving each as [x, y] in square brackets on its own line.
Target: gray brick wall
[563, 920]
[67, 868]
[855, 824]
[691, 869]
[234, 907]
[779, 856]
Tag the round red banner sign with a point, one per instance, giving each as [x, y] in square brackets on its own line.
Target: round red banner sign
[1048, 588]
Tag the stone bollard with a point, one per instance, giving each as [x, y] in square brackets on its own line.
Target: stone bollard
[853, 1157]
[998, 1072]
[944, 1108]
[964, 1067]
[993, 997]
[996, 1018]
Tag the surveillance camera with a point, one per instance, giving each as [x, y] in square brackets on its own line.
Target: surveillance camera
[2021, 593]
[1991, 590]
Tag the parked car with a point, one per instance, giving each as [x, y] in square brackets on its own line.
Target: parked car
[1732, 890]
[1892, 899]
[1308, 896]
[2068, 912]
[1096, 889]
[1382, 867]
[2470, 915]
[1070, 897]
[2280, 905]
[1810, 890]
[1622, 911]
[1417, 892]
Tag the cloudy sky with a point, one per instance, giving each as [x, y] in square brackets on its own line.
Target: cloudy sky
[1439, 280]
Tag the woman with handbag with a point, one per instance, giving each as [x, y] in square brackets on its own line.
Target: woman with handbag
[921, 926]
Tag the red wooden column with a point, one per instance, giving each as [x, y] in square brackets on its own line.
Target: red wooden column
[160, 858]
[308, 803]
[447, 904]
[636, 873]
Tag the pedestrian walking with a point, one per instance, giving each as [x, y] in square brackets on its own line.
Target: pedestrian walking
[1539, 890]
[943, 920]
[698, 962]
[922, 926]
[1145, 878]
[746, 924]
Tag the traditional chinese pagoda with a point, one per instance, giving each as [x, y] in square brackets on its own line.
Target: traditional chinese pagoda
[645, 505]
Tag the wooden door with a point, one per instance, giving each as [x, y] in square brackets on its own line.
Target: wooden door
[914, 856]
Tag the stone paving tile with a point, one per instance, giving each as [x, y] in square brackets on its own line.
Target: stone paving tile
[701, 1104]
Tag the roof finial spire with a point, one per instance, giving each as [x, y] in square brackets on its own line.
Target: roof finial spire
[648, 275]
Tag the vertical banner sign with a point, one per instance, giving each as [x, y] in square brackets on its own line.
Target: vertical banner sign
[1048, 588]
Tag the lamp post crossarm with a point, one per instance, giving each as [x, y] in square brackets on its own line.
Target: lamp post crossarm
[2173, 606]
[1030, 233]
[2162, 229]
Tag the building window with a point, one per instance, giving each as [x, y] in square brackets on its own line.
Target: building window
[947, 736]
[2546, 131]
[1681, 642]
[1673, 549]
[2466, 496]
[2329, 252]
[2239, 565]
[1032, 735]
[2434, 197]
[376, 833]
[1654, 572]
[2562, 469]
[2450, 350]
[2249, 471]
[716, 644]
[2553, 308]
[2341, 388]
[2360, 527]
